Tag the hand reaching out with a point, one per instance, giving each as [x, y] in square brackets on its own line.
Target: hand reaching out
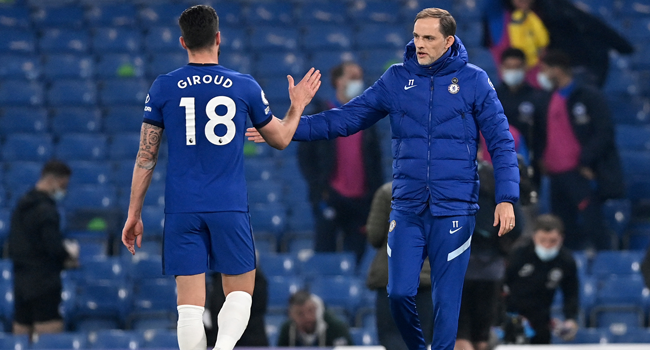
[302, 93]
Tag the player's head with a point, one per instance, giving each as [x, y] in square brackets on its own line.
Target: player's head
[303, 311]
[199, 28]
[554, 68]
[548, 236]
[433, 34]
[347, 79]
[54, 180]
[523, 5]
[513, 67]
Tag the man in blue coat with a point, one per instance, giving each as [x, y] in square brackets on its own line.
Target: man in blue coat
[437, 104]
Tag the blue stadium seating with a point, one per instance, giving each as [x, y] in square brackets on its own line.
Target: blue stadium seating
[109, 269]
[113, 65]
[6, 305]
[95, 324]
[112, 15]
[90, 173]
[114, 339]
[471, 33]
[617, 213]
[149, 248]
[155, 195]
[90, 196]
[619, 319]
[261, 192]
[382, 36]
[21, 93]
[59, 16]
[633, 138]
[61, 341]
[635, 164]
[153, 218]
[17, 41]
[165, 62]
[159, 339]
[299, 244]
[161, 14]
[6, 265]
[23, 120]
[275, 90]
[327, 37]
[9, 341]
[326, 60]
[81, 147]
[364, 336]
[103, 299]
[325, 12]
[124, 146]
[278, 264]
[620, 294]
[76, 120]
[341, 292]
[269, 38]
[144, 269]
[22, 173]
[631, 336]
[273, 13]
[302, 221]
[327, 264]
[154, 299]
[233, 39]
[230, 13]
[259, 169]
[71, 92]
[628, 110]
[376, 61]
[269, 218]
[123, 119]
[161, 39]
[376, 11]
[637, 29]
[265, 246]
[239, 62]
[4, 201]
[280, 289]
[123, 91]
[19, 66]
[15, 17]
[273, 324]
[585, 336]
[27, 147]
[116, 39]
[55, 40]
[607, 263]
[66, 66]
[467, 10]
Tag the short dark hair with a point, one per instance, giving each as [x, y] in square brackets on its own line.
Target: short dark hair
[512, 52]
[447, 21]
[299, 298]
[549, 222]
[56, 168]
[557, 58]
[338, 71]
[199, 25]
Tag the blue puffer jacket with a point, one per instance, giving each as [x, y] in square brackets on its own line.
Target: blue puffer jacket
[436, 113]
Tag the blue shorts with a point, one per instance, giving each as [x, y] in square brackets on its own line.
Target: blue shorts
[194, 243]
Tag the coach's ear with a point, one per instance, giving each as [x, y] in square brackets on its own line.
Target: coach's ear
[182, 40]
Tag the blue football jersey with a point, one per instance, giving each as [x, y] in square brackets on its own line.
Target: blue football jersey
[203, 109]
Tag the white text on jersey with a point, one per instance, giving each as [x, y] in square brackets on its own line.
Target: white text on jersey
[206, 79]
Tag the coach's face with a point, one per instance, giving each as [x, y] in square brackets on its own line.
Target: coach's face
[430, 43]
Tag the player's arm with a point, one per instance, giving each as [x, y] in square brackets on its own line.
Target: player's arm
[279, 132]
[145, 163]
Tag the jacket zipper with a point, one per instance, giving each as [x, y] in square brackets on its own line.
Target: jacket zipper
[429, 135]
[469, 154]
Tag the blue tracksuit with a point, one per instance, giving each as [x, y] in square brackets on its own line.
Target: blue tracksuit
[436, 113]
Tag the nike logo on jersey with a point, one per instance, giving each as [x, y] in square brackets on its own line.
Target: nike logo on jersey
[451, 232]
[409, 87]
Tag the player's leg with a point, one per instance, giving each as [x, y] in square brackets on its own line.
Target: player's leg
[46, 313]
[406, 253]
[23, 318]
[185, 255]
[485, 295]
[449, 240]
[233, 254]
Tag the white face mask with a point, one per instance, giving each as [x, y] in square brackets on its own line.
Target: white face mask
[354, 88]
[546, 254]
[58, 195]
[545, 82]
[513, 77]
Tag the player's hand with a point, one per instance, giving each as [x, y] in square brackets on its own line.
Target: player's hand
[569, 330]
[132, 233]
[302, 93]
[254, 135]
[504, 214]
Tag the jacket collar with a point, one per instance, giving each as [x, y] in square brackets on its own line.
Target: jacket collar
[451, 61]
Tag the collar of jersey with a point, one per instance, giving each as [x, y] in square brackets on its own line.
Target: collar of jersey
[202, 64]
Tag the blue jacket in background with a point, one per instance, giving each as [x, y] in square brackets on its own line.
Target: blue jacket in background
[436, 113]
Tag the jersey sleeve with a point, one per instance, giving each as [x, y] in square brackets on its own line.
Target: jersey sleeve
[153, 105]
[258, 106]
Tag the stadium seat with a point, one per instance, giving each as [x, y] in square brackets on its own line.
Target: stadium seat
[114, 339]
[62, 40]
[90, 173]
[4, 201]
[628, 109]
[116, 39]
[108, 269]
[95, 324]
[259, 169]
[327, 37]
[90, 196]
[22, 173]
[617, 213]
[103, 299]
[81, 147]
[162, 39]
[6, 305]
[620, 294]
[275, 90]
[268, 218]
[63, 341]
[471, 33]
[144, 269]
[609, 263]
[76, 120]
[273, 325]
[161, 14]
[68, 66]
[636, 29]
[72, 93]
[165, 62]
[21, 93]
[120, 65]
[159, 339]
[27, 147]
[633, 138]
[154, 299]
[278, 264]
[124, 146]
[273, 13]
[120, 119]
[112, 15]
[280, 289]
[151, 248]
[6, 265]
[382, 36]
[17, 120]
[155, 195]
[16, 17]
[621, 82]
[239, 62]
[17, 41]
[328, 264]
[233, 39]
[280, 64]
[153, 219]
[619, 319]
[302, 221]
[635, 164]
[631, 336]
[376, 61]
[262, 192]
[265, 246]
[9, 341]
[326, 60]
[58, 16]
[376, 12]
[92, 250]
[270, 38]
[364, 336]
[585, 336]
[338, 292]
[19, 66]
[299, 244]
[330, 12]
[123, 91]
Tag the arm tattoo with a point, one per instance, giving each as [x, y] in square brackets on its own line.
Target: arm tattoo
[150, 138]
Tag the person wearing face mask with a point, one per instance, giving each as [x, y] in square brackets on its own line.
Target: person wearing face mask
[38, 253]
[577, 151]
[342, 174]
[533, 274]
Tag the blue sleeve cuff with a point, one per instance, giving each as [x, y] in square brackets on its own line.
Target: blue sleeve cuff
[154, 122]
[303, 131]
[264, 123]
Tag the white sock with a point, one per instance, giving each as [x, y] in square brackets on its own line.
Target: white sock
[191, 334]
[233, 319]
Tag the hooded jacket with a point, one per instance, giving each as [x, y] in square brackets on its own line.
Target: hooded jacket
[436, 112]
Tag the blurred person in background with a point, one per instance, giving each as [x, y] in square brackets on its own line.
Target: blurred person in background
[342, 174]
[533, 274]
[576, 148]
[311, 325]
[39, 253]
[377, 229]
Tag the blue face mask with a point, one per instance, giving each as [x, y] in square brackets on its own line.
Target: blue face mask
[546, 254]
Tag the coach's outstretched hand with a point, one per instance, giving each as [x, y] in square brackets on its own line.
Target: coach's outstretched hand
[132, 233]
